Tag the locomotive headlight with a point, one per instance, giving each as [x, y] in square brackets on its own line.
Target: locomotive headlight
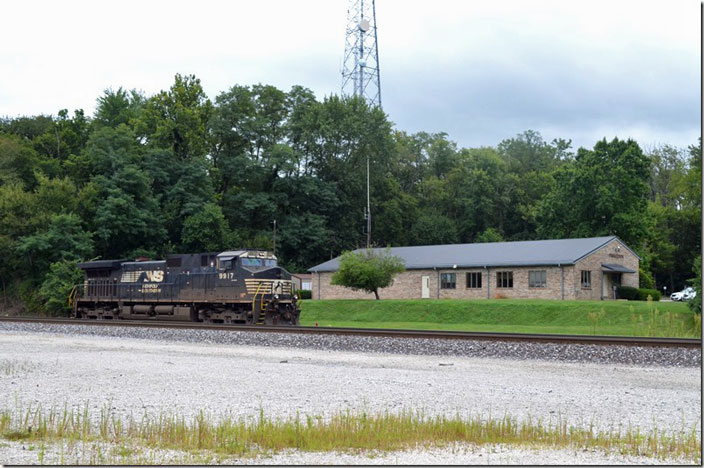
[276, 296]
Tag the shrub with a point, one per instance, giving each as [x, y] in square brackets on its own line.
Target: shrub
[644, 293]
[57, 285]
[305, 294]
[627, 292]
[30, 298]
[637, 294]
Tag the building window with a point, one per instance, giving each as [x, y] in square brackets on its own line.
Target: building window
[447, 281]
[537, 279]
[504, 279]
[474, 280]
[586, 279]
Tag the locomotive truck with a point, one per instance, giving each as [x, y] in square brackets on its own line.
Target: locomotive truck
[242, 286]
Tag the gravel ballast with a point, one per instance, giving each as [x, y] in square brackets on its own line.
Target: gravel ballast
[612, 354]
[237, 374]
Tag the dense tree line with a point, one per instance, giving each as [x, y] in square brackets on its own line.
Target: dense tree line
[177, 172]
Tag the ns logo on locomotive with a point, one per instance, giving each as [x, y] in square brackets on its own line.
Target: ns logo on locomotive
[242, 286]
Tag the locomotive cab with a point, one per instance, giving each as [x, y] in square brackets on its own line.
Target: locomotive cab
[251, 261]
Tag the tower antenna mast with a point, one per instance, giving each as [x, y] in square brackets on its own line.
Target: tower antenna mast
[360, 69]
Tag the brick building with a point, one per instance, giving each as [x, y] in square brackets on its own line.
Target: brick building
[588, 268]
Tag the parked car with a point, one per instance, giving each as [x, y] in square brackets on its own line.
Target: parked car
[689, 294]
[685, 295]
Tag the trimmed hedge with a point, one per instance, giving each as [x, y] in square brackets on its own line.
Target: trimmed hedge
[636, 294]
[644, 293]
[627, 292]
[305, 294]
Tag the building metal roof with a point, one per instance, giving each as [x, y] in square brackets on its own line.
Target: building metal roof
[494, 254]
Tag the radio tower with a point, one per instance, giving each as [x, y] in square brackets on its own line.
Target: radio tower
[360, 70]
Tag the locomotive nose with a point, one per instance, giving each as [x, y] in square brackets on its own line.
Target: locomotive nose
[280, 273]
[274, 272]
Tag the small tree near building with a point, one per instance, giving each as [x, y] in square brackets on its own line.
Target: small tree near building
[367, 270]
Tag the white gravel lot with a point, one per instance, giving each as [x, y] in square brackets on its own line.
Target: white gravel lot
[138, 375]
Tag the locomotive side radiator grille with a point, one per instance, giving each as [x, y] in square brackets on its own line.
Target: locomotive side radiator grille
[282, 287]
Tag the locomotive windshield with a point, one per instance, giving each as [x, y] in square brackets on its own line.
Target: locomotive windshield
[258, 262]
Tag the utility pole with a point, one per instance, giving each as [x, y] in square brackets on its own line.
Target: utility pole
[360, 69]
[274, 238]
[369, 212]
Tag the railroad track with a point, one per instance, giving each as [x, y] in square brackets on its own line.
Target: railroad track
[383, 332]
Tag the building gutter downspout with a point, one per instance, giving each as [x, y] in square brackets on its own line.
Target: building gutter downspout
[488, 283]
[319, 298]
[437, 296]
[562, 274]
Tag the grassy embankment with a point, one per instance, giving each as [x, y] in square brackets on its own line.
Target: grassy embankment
[205, 439]
[624, 318]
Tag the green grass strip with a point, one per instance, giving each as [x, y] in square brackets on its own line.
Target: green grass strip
[617, 318]
[344, 431]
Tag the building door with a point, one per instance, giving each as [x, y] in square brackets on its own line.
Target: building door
[610, 282]
[605, 285]
[425, 287]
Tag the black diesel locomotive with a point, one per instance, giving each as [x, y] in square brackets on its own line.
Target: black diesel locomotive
[243, 286]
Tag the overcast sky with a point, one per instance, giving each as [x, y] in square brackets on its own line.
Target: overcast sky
[481, 71]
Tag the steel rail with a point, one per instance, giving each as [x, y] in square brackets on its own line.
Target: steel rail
[382, 332]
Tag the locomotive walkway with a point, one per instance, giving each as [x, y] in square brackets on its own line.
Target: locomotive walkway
[377, 332]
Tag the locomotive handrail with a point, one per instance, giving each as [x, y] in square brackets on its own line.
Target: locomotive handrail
[71, 295]
[254, 299]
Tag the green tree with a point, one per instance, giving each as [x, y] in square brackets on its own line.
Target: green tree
[63, 239]
[476, 191]
[605, 191]
[206, 230]
[302, 240]
[367, 270]
[127, 215]
[666, 173]
[28, 128]
[18, 161]
[528, 152]
[55, 196]
[341, 135]
[178, 119]
[674, 233]
[175, 127]
[107, 151]
[489, 235]
[433, 229]
[18, 218]
[57, 286]
[66, 136]
[118, 107]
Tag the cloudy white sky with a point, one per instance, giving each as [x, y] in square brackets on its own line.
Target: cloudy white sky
[480, 71]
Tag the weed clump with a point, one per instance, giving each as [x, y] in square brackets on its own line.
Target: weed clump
[343, 431]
